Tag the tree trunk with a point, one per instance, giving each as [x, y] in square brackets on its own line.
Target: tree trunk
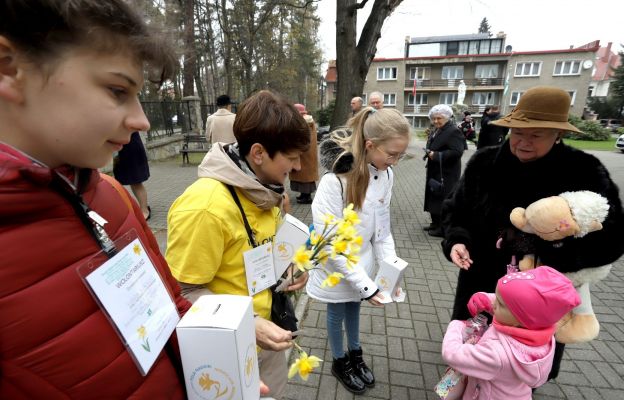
[353, 60]
[190, 59]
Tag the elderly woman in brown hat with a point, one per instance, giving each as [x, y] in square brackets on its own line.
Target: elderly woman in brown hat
[532, 163]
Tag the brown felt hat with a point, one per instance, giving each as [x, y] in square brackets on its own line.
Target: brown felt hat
[540, 107]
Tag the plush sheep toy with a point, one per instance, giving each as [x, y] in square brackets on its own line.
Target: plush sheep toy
[557, 217]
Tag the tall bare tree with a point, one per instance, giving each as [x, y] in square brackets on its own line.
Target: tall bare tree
[353, 58]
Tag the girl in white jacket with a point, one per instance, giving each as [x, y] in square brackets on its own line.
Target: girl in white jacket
[359, 161]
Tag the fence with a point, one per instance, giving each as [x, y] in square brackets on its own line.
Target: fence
[169, 117]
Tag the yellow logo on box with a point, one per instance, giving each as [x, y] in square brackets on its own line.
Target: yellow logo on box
[211, 383]
[285, 251]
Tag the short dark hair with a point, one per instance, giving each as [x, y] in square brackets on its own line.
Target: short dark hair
[269, 119]
[223, 101]
[44, 29]
[467, 113]
[486, 109]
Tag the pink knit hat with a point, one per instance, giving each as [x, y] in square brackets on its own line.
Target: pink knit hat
[538, 298]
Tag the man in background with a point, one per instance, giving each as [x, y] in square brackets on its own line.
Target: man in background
[491, 135]
[375, 100]
[219, 126]
[356, 105]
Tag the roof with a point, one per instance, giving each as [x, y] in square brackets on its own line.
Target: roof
[514, 53]
[450, 38]
[331, 75]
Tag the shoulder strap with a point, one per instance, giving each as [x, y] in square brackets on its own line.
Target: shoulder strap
[441, 172]
[122, 192]
[252, 238]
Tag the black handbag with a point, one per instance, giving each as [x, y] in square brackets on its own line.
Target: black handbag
[282, 309]
[434, 185]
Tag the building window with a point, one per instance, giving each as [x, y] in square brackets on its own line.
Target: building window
[448, 98]
[420, 73]
[463, 47]
[389, 99]
[528, 69]
[453, 72]
[486, 71]
[484, 47]
[515, 97]
[572, 67]
[572, 94]
[496, 46]
[452, 48]
[386, 73]
[483, 98]
[421, 99]
[474, 47]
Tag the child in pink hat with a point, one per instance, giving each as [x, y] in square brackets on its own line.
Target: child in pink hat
[516, 353]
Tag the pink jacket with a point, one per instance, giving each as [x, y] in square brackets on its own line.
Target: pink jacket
[498, 366]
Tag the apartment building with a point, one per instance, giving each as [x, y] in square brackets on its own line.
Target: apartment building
[434, 67]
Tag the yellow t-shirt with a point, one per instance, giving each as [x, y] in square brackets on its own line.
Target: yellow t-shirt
[207, 238]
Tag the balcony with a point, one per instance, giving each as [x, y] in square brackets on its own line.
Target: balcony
[423, 109]
[445, 84]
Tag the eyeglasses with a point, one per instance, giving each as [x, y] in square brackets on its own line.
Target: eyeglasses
[392, 157]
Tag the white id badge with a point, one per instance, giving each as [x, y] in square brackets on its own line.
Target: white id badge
[382, 223]
[259, 268]
[131, 293]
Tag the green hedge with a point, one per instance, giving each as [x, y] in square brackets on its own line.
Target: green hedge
[590, 130]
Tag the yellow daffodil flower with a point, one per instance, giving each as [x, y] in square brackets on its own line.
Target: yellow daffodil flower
[328, 219]
[315, 238]
[304, 365]
[350, 216]
[332, 279]
[339, 247]
[302, 258]
[322, 257]
[351, 260]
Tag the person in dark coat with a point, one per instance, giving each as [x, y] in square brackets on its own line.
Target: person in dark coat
[491, 134]
[531, 164]
[445, 147]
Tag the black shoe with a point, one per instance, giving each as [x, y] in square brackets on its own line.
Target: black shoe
[437, 232]
[149, 213]
[304, 199]
[361, 369]
[343, 371]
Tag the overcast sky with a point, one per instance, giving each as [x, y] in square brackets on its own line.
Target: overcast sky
[529, 24]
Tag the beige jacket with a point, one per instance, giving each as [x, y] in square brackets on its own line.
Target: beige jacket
[219, 126]
[309, 159]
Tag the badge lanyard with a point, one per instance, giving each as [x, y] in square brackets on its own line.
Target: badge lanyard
[92, 221]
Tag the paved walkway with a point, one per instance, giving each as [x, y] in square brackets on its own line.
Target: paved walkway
[402, 341]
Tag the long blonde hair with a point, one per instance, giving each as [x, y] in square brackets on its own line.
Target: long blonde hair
[378, 126]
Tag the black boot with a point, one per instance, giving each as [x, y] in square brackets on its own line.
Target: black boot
[430, 227]
[343, 371]
[361, 369]
[304, 198]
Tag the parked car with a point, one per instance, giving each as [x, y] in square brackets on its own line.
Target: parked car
[611, 124]
[619, 143]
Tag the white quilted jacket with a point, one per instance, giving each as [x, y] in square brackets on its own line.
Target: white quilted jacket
[358, 283]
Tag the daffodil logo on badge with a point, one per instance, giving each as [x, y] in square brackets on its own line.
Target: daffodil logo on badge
[212, 383]
[250, 364]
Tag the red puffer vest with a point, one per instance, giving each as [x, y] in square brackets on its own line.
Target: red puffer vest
[55, 342]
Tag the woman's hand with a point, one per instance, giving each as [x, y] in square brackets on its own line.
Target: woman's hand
[270, 336]
[460, 256]
[430, 154]
[377, 300]
[298, 283]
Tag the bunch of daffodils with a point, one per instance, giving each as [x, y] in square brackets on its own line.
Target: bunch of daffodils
[338, 238]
